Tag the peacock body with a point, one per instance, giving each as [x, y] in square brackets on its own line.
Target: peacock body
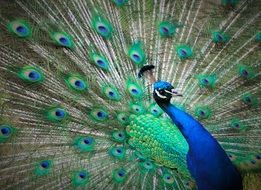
[77, 114]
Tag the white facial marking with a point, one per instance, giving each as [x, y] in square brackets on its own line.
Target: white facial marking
[159, 95]
[169, 92]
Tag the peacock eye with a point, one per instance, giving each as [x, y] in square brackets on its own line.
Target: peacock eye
[161, 91]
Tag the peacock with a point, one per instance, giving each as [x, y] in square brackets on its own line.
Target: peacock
[205, 155]
[83, 93]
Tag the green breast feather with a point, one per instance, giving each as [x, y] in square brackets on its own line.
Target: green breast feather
[159, 140]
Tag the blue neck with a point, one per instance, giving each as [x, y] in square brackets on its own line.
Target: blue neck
[191, 129]
[207, 162]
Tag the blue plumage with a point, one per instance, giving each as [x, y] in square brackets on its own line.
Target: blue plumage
[207, 162]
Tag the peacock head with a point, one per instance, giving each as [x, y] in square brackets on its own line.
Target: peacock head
[163, 91]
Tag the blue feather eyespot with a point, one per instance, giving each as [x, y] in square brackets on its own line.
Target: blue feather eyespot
[82, 175]
[45, 164]
[167, 178]
[137, 54]
[137, 108]
[246, 72]
[56, 114]
[62, 39]
[237, 124]
[79, 84]
[123, 118]
[203, 112]
[119, 175]
[119, 136]
[184, 51]
[103, 29]
[134, 89]
[117, 152]
[84, 144]
[88, 140]
[207, 81]
[43, 167]
[100, 61]
[111, 92]
[250, 100]
[20, 28]
[102, 26]
[167, 29]
[80, 178]
[147, 165]
[76, 83]
[99, 114]
[6, 132]
[219, 37]
[155, 110]
[30, 74]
